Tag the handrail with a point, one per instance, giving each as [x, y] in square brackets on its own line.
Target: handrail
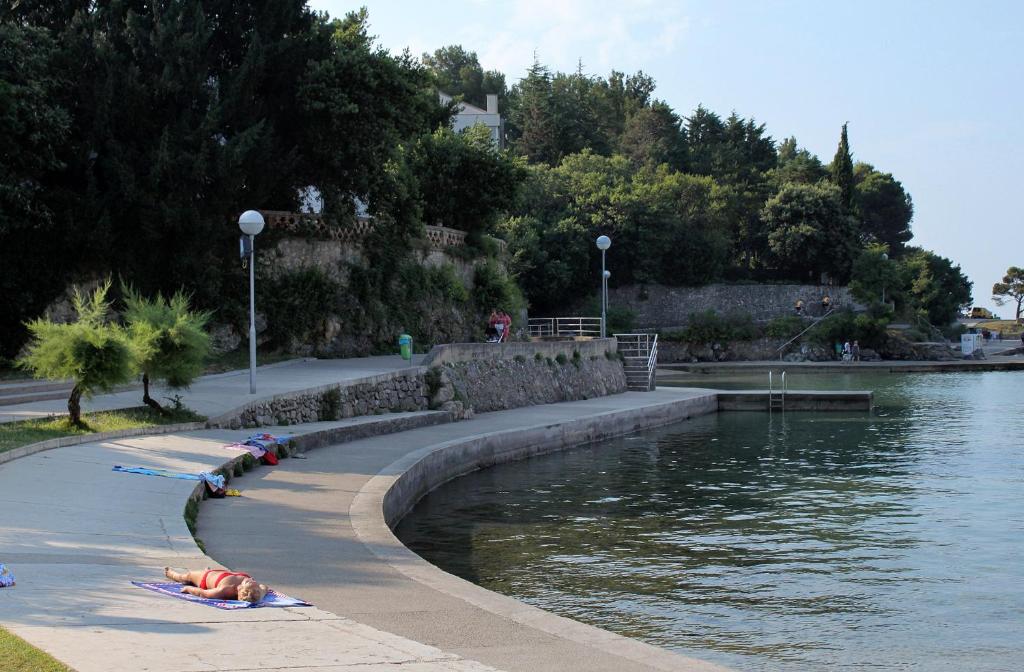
[539, 327]
[811, 326]
[640, 352]
[652, 363]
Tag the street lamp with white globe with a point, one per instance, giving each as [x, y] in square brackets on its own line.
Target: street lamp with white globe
[603, 243]
[251, 223]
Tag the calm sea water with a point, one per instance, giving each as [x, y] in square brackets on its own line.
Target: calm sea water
[888, 541]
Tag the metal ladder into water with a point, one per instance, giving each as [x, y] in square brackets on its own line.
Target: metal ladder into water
[776, 397]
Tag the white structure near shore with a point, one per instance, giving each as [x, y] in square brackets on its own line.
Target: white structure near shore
[469, 115]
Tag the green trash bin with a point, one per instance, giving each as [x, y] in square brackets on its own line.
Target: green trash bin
[405, 346]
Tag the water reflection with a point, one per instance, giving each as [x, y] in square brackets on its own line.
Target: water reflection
[801, 541]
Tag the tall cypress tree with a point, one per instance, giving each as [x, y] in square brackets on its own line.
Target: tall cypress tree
[842, 171]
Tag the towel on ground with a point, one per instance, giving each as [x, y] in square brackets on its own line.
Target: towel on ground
[6, 577]
[272, 599]
[214, 480]
[254, 450]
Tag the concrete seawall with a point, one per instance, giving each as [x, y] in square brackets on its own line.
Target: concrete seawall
[389, 495]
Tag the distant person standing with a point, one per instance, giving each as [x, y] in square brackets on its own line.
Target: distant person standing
[855, 351]
[506, 322]
[847, 352]
[839, 350]
[826, 304]
[799, 307]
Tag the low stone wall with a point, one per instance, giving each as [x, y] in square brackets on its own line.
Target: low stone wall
[453, 353]
[404, 390]
[659, 307]
[463, 379]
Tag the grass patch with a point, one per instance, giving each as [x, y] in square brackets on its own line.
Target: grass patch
[24, 432]
[20, 656]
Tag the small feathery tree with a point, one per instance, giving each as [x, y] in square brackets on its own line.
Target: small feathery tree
[93, 353]
[1011, 289]
[169, 339]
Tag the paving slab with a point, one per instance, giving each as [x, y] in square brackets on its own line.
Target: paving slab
[77, 533]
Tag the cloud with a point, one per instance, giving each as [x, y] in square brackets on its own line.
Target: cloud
[627, 35]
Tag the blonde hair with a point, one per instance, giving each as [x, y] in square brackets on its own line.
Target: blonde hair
[250, 591]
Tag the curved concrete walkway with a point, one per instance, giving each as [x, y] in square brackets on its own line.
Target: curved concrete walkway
[76, 533]
[332, 507]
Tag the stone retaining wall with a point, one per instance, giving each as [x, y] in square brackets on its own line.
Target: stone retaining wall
[504, 384]
[503, 376]
[404, 390]
[659, 307]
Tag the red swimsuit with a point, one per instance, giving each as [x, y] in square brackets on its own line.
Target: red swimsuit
[223, 574]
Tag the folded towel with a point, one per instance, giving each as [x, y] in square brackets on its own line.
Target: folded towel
[254, 450]
[215, 480]
[272, 599]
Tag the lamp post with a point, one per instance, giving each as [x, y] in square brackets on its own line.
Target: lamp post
[885, 257]
[251, 223]
[603, 243]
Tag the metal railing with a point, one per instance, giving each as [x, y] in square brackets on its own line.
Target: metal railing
[812, 325]
[777, 398]
[639, 359]
[564, 327]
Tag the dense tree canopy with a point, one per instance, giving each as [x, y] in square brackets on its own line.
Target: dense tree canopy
[132, 133]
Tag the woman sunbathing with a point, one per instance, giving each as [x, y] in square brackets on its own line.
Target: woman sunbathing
[218, 584]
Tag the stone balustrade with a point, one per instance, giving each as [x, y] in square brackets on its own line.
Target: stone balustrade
[301, 224]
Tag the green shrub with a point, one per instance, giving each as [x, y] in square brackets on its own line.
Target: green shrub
[433, 380]
[520, 359]
[710, 327]
[620, 320]
[915, 335]
[445, 281]
[330, 404]
[786, 326]
[561, 359]
[845, 326]
[295, 304]
[492, 288]
[539, 357]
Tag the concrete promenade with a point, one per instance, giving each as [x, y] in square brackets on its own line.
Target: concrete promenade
[76, 533]
[216, 394]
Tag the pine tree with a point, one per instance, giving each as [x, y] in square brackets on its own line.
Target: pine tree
[842, 171]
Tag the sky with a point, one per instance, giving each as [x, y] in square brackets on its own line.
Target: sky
[932, 91]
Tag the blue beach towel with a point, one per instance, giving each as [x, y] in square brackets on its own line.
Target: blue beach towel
[272, 599]
[213, 479]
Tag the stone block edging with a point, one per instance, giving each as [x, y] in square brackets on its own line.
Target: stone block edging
[390, 494]
[332, 436]
[64, 441]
